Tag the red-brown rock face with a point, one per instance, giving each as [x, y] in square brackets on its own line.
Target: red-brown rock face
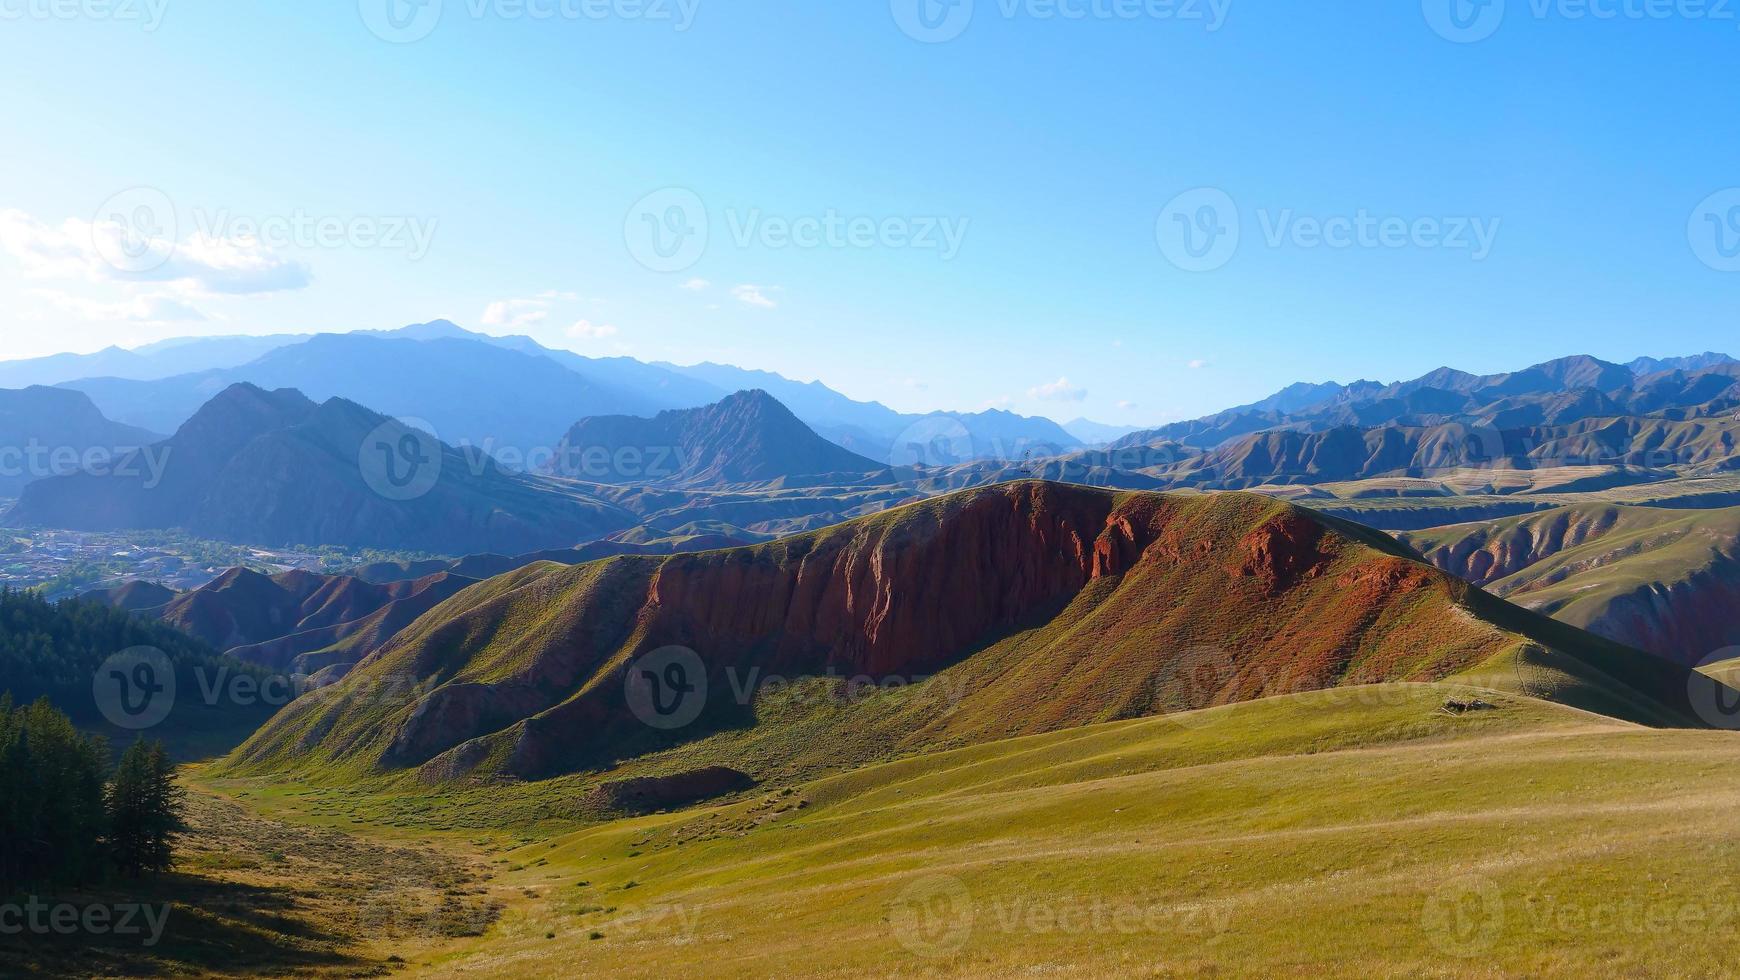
[899, 599]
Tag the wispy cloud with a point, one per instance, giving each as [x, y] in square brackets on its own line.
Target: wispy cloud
[200, 264]
[1198, 364]
[695, 285]
[587, 330]
[145, 308]
[1126, 404]
[1058, 391]
[753, 295]
[515, 313]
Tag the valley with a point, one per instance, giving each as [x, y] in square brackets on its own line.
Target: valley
[708, 684]
[1278, 837]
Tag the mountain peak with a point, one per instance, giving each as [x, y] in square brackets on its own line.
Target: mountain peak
[747, 437]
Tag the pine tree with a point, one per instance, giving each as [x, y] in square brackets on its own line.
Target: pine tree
[144, 810]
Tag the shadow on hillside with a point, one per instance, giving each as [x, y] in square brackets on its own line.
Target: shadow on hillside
[202, 926]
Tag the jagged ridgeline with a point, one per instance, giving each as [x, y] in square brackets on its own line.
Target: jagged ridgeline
[1004, 611]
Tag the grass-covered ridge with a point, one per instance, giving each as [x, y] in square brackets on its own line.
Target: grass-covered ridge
[1067, 605]
[1662, 579]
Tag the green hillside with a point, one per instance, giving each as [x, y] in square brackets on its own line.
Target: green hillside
[1290, 836]
[1661, 579]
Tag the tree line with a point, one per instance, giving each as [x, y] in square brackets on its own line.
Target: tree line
[64, 818]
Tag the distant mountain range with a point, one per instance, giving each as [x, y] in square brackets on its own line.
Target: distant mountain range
[274, 467]
[508, 395]
[1556, 392]
[1573, 410]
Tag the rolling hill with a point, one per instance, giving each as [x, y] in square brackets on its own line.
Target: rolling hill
[994, 613]
[1659, 579]
[307, 623]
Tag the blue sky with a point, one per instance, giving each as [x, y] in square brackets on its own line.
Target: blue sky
[1502, 199]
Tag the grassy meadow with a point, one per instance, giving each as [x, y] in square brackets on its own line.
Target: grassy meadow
[1289, 836]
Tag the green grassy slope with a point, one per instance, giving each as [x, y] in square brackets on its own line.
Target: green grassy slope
[1292, 836]
[1661, 579]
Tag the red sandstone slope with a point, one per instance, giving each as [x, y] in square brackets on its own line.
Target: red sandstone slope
[1043, 605]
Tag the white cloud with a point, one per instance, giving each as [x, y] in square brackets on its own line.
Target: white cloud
[695, 285]
[148, 308]
[1058, 391]
[1198, 364]
[233, 267]
[915, 384]
[587, 330]
[753, 295]
[516, 313]
[202, 264]
[559, 294]
[1001, 401]
[1126, 404]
